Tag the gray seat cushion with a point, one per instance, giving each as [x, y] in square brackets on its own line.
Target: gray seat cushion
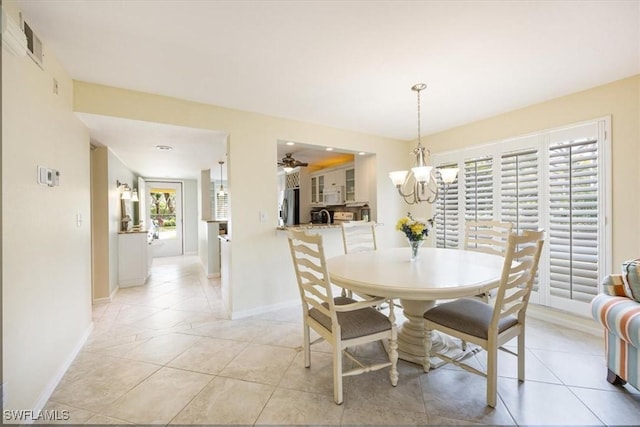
[468, 315]
[354, 324]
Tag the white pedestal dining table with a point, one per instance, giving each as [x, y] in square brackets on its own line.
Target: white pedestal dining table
[437, 274]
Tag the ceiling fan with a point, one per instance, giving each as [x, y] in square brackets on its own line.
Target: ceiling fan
[288, 162]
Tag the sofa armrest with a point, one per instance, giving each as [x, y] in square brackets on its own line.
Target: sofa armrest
[619, 315]
[613, 285]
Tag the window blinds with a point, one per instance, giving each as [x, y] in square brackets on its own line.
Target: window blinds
[519, 190]
[573, 219]
[447, 222]
[478, 187]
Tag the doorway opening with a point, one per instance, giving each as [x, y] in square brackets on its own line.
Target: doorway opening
[164, 214]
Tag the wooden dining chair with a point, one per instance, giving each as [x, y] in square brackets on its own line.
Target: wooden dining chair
[341, 321]
[489, 237]
[359, 236]
[487, 326]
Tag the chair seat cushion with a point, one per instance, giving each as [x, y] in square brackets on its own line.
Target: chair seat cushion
[469, 316]
[353, 324]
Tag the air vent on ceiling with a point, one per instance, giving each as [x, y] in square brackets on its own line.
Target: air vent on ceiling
[34, 45]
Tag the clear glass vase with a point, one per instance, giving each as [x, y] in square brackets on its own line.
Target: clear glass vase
[415, 246]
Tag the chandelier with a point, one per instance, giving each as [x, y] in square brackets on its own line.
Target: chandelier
[420, 185]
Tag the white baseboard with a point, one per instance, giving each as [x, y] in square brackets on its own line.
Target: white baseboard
[264, 309]
[192, 253]
[106, 299]
[563, 318]
[51, 386]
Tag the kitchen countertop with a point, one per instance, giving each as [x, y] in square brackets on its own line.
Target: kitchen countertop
[309, 226]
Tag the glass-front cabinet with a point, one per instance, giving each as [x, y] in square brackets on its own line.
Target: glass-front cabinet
[314, 189]
[350, 185]
[317, 188]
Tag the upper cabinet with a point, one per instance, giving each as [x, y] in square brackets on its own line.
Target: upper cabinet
[334, 178]
[350, 184]
[344, 176]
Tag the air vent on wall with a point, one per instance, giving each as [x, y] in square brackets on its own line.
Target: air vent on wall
[13, 39]
[34, 45]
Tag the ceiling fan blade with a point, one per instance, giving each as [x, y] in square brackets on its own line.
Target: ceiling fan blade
[290, 162]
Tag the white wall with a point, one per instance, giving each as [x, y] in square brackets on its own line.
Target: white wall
[46, 264]
[190, 216]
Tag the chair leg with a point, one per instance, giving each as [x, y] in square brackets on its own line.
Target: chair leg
[307, 346]
[521, 356]
[337, 374]
[492, 375]
[393, 358]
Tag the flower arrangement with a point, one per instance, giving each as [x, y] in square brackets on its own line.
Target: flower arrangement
[414, 229]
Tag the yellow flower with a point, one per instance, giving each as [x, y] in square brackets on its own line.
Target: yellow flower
[401, 223]
[417, 228]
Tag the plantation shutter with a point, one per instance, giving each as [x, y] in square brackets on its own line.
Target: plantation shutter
[519, 178]
[220, 202]
[519, 190]
[447, 221]
[573, 219]
[478, 187]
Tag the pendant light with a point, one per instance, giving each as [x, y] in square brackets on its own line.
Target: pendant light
[419, 185]
[221, 192]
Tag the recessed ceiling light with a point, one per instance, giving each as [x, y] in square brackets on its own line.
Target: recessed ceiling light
[329, 149]
[291, 143]
[362, 153]
[164, 147]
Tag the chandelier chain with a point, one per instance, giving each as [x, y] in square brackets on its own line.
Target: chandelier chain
[418, 90]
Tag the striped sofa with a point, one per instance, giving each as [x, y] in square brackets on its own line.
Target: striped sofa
[619, 312]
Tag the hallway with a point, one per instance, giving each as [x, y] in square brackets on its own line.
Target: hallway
[164, 353]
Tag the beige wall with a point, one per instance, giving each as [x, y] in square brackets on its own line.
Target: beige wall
[100, 272]
[46, 266]
[619, 99]
[261, 268]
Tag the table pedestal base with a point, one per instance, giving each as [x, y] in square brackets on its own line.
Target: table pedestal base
[411, 346]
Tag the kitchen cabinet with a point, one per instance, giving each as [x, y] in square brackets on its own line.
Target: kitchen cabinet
[317, 188]
[134, 259]
[327, 178]
[350, 184]
[334, 178]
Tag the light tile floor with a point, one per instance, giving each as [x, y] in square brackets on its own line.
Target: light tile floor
[165, 354]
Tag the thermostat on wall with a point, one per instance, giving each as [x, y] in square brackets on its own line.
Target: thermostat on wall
[50, 177]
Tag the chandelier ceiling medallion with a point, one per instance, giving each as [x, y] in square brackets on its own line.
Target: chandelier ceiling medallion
[420, 184]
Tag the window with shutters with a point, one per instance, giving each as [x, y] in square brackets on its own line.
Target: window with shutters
[555, 180]
[519, 199]
[447, 218]
[573, 219]
[220, 202]
[519, 193]
[478, 189]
